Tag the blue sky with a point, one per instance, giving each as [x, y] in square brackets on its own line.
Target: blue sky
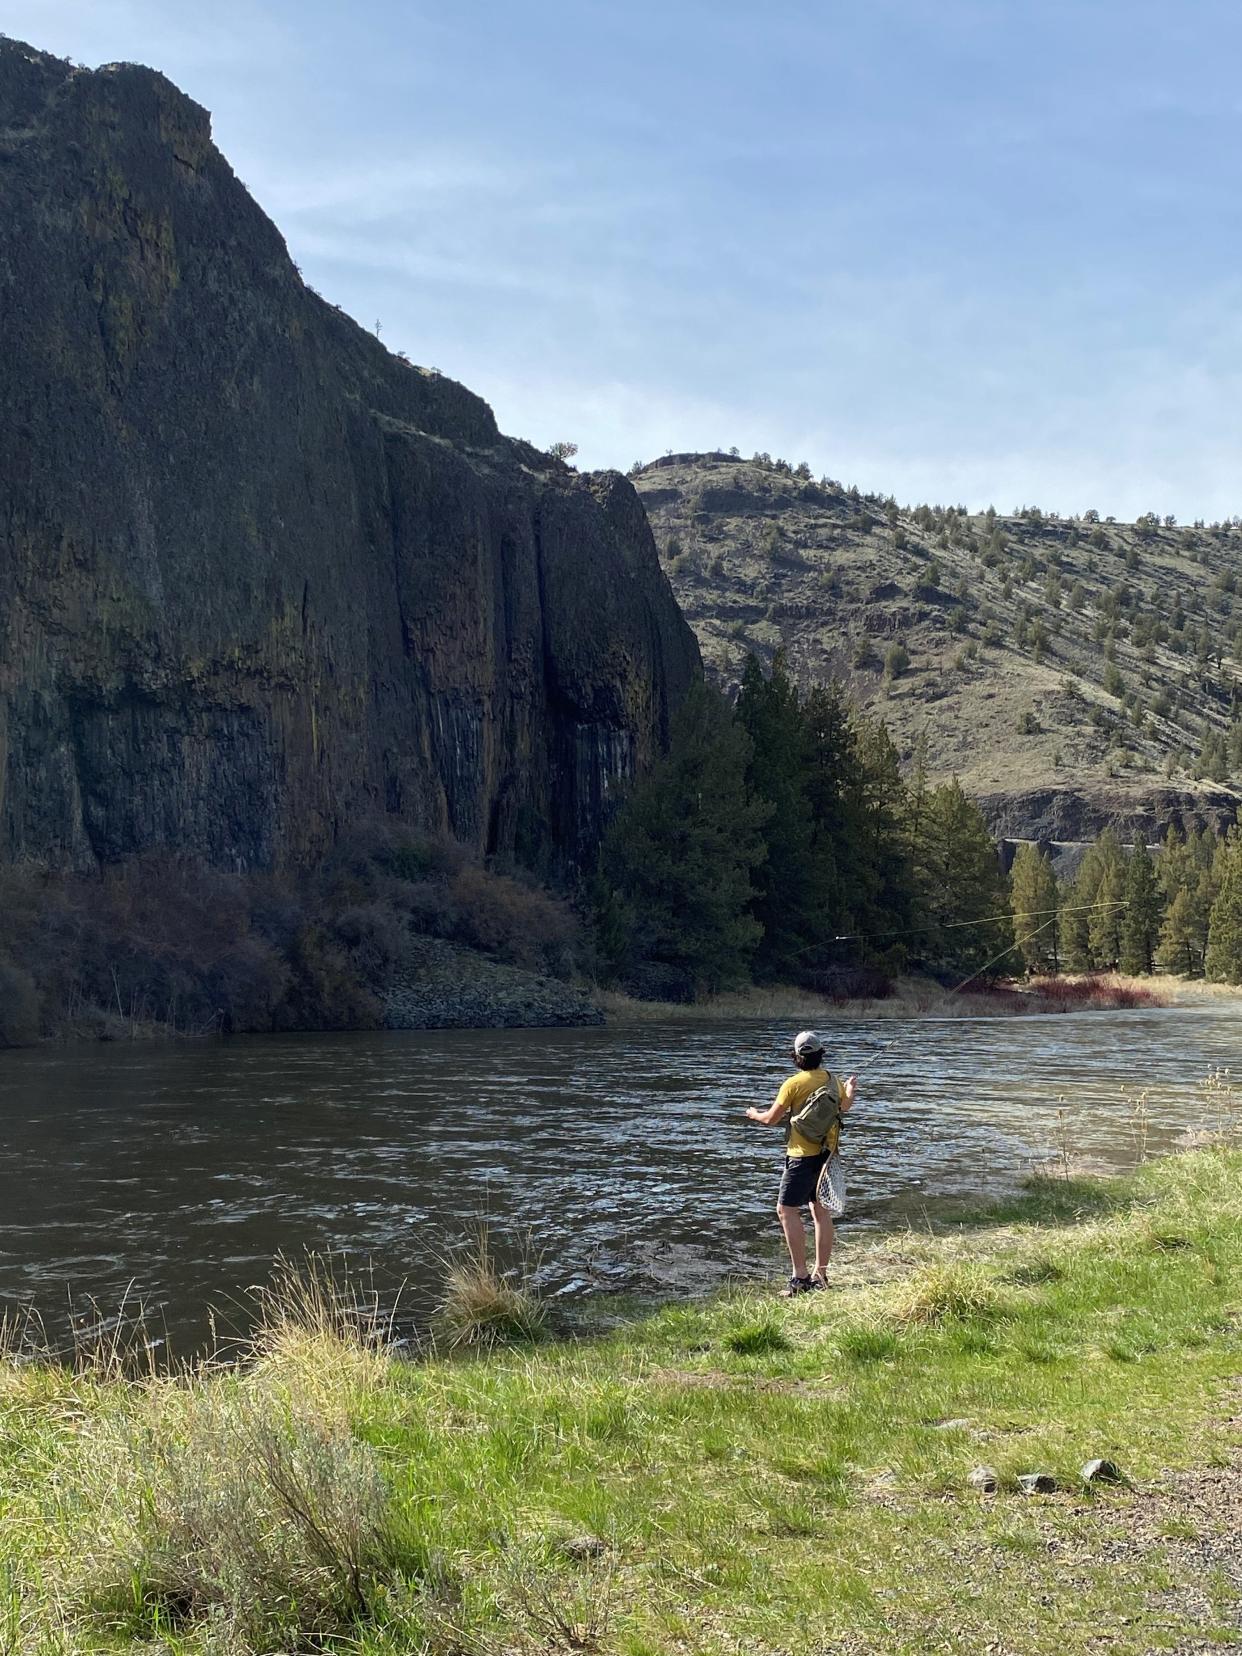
[976, 250]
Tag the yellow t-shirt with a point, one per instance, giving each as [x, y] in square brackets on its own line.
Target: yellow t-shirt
[792, 1096]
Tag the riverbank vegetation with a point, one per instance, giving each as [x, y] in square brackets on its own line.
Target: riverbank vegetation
[782, 841]
[779, 847]
[163, 944]
[779, 840]
[739, 1474]
[911, 997]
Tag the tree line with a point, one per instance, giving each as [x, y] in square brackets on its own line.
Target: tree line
[780, 840]
[1126, 910]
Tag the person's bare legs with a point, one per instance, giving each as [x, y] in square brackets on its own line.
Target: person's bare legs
[795, 1237]
[824, 1236]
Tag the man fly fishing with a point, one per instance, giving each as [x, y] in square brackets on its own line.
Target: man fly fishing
[811, 1104]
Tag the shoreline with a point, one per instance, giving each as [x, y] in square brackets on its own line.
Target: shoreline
[578, 1005]
[674, 1480]
[922, 998]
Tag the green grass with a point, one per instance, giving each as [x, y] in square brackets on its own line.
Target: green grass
[744, 1474]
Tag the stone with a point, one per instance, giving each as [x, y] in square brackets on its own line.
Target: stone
[1037, 1483]
[1102, 1472]
[260, 579]
[985, 1479]
[582, 1547]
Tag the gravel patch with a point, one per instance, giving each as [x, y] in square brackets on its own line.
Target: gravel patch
[438, 985]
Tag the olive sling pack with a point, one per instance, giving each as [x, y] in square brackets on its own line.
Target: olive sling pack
[819, 1115]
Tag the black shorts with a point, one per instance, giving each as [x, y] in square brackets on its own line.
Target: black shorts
[800, 1178]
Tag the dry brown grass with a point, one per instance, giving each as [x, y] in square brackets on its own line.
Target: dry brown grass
[911, 998]
[484, 1305]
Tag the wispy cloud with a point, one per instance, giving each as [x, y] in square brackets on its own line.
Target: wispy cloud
[957, 251]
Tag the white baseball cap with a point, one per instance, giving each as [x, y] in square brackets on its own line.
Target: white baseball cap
[807, 1041]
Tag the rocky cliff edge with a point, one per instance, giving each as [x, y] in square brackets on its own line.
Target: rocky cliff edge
[259, 577]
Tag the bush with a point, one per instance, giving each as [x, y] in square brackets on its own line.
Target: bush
[163, 940]
[517, 923]
[228, 1506]
[896, 661]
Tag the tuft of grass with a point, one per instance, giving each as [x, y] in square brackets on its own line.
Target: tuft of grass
[944, 1292]
[483, 1305]
[755, 1338]
[313, 1307]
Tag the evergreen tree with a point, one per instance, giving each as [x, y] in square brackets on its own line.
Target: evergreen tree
[1201, 900]
[1076, 902]
[1192, 872]
[839, 825]
[789, 890]
[1176, 868]
[1140, 925]
[679, 860]
[1223, 959]
[886, 905]
[968, 896]
[1033, 892]
[1178, 952]
[1104, 925]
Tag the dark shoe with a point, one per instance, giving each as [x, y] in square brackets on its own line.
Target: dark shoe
[818, 1283]
[797, 1285]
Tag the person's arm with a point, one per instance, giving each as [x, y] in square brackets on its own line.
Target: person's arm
[768, 1118]
[772, 1116]
[848, 1088]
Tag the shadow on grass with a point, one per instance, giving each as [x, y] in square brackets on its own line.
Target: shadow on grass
[1049, 1201]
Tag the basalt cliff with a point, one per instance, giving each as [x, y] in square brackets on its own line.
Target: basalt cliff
[259, 578]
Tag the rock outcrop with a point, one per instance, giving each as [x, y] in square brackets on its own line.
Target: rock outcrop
[258, 577]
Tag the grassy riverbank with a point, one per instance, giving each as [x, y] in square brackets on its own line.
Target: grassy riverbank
[911, 997]
[744, 1474]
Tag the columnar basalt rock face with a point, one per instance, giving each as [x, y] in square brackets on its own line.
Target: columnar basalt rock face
[258, 577]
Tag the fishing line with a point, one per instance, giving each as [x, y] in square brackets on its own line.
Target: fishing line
[905, 1033]
[982, 920]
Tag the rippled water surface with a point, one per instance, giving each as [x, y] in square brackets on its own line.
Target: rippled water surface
[183, 1170]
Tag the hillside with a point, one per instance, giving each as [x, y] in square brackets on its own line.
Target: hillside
[1072, 672]
[260, 579]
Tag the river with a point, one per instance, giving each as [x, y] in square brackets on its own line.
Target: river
[173, 1174]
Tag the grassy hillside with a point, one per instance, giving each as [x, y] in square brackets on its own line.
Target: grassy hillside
[743, 1475]
[1071, 672]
